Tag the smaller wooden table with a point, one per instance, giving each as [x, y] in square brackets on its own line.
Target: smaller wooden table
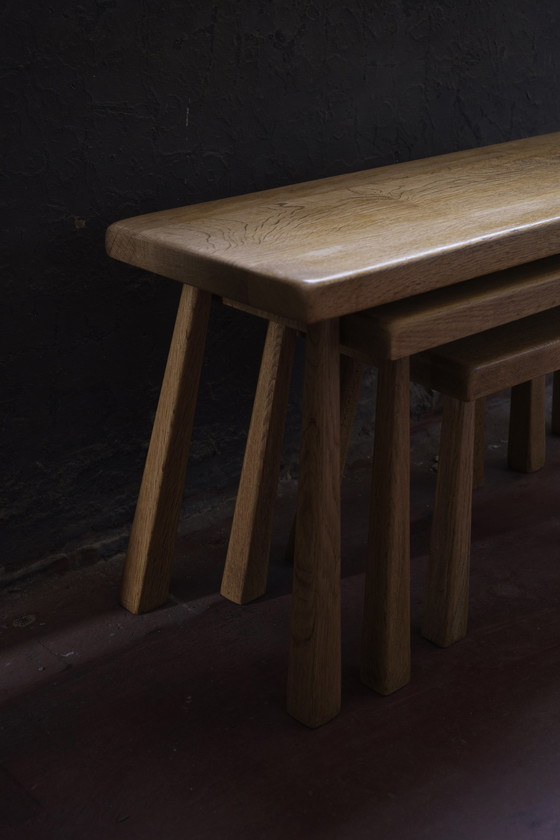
[312, 253]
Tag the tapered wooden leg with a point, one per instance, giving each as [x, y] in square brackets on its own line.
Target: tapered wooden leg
[555, 426]
[447, 595]
[246, 567]
[351, 376]
[314, 661]
[479, 459]
[149, 558]
[386, 631]
[527, 426]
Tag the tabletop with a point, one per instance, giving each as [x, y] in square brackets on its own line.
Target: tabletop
[325, 248]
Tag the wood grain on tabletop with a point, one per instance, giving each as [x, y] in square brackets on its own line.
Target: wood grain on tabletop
[324, 248]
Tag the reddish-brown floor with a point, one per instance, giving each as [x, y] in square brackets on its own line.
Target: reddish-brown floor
[172, 725]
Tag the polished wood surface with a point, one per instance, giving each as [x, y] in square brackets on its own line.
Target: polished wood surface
[417, 323]
[447, 592]
[245, 572]
[408, 326]
[527, 425]
[555, 424]
[325, 248]
[479, 365]
[149, 557]
[479, 455]
[385, 658]
[314, 662]
[310, 253]
[351, 377]
[462, 371]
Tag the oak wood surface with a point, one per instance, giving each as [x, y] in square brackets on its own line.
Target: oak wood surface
[527, 425]
[463, 371]
[246, 567]
[147, 571]
[479, 455]
[325, 248]
[409, 326]
[315, 251]
[385, 659]
[555, 424]
[245, 572]
[351, 377]
[483, 364]
[447, 592]
[314, 661]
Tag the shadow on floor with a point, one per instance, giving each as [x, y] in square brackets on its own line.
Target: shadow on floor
[172, 725]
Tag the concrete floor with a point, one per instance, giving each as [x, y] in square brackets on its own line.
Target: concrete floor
[172, 725]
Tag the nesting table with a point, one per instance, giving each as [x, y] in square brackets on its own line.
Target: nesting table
[311, 254]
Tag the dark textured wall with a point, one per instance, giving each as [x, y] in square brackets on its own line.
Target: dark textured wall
[118, 107]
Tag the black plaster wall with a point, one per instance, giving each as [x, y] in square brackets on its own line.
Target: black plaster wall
[119, 107]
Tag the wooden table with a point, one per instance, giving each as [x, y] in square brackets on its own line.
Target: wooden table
[314, 252]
